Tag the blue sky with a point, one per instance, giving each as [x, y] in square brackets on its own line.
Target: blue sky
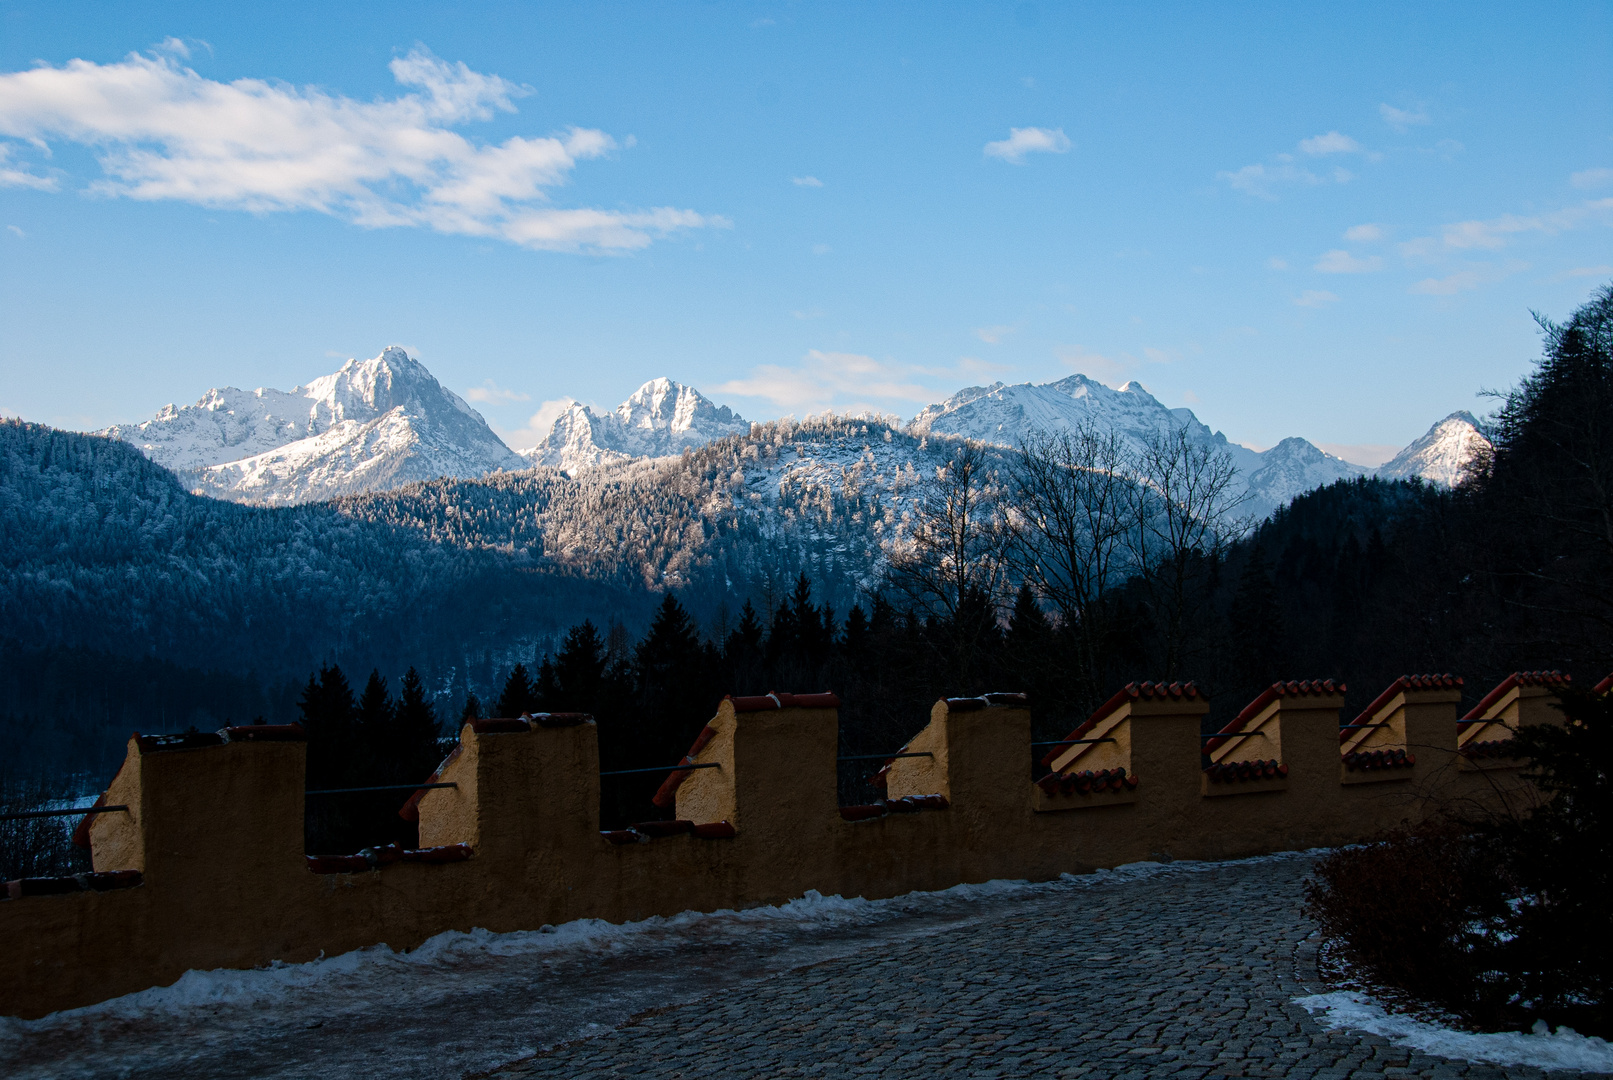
[1329, 221]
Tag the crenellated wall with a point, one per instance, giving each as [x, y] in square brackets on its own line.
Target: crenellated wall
[206, 869]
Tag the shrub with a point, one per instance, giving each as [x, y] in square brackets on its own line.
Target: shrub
[1504, 921]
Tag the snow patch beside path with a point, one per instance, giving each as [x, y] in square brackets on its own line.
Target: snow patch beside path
[464, 952]
[1541, 1049]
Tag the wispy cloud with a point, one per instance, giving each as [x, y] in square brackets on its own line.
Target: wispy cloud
[824, 380]
[1465, 280]
[1109, 370]
[1401, 119]
[15, 229]
[1315, 298]
[163, 132]
[1591, 178]
[10, 177]
[1030, 140]
[1370, 455]
[851, 382]
[1603, 270]
[1331, 143]
[1450, 284]
[537, 425]
[1495, 233]
[1277, 264]
[991, 335]
[490, 393]
[1259, 180]
[1262, 178]
[806, 181]
[1363, 234]
[1339, 261]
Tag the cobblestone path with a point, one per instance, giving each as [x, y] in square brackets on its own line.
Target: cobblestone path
[1186, 973]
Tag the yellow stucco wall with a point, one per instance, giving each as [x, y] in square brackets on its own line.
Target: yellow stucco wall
[217, 832]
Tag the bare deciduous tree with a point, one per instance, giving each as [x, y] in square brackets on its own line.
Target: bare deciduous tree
[951, 560]
[1071, 508]
[1185, 503]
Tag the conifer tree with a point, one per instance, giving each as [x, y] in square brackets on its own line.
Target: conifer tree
[416, 729]
[518, 696]
[472, 709]
[373, 732]
[546, 688]
[579, 670]
[328, 713]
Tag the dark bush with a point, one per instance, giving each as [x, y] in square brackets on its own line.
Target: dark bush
[1503, 921]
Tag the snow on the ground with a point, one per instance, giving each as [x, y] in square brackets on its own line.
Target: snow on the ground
[458, 949]
[1540, 1049]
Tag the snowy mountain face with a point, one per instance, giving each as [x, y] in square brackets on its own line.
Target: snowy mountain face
[1004, 415]
[1441, 455]
[375, 424]
[661, 419]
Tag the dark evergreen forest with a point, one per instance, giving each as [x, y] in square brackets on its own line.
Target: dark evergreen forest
[1362, 581]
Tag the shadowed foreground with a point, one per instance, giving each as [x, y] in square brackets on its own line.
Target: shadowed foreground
[1181, 970]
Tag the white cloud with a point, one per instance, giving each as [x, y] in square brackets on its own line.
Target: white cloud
[1315, 298]
[1579, 271]
[162, 132]
[172, 46]
[1361, 234]
[1401, 119]
[1331, 143]
[1496, 233]
[991, 335]
[1339, 261]
[13, 228]
[537, 425]
[1589, 178]
[1258, 180]
[1277, 264]
[821, 249]
[1031, 140]
[10, 177]
[1452, 284]
[1370, 455]
[838, 380]
[1110, 371]
[806, 181]
[490, 393]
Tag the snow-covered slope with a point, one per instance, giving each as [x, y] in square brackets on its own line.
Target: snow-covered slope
[662, 418]
[1005, 414]
[374, 424]
[1293, 467]
[1442, 454]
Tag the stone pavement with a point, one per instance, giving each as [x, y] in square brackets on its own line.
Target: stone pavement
[1175, 974]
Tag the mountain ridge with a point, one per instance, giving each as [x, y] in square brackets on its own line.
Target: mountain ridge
[382, 421]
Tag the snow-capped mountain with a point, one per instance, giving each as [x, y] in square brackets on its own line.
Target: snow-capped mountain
[374, 424]
[1005, 414]
[1442, 454]
[660, 419]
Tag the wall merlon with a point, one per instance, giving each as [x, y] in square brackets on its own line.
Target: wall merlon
[211, 871]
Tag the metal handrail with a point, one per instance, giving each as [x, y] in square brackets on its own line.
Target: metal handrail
[62, 813]
[382, 787]
[1071, 742]
[885, 757]
[664, 768]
